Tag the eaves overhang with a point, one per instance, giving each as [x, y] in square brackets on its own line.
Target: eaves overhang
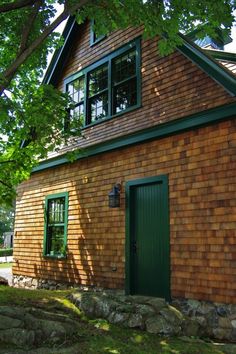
[59, 57]
[209, 65]
[221, 55]
[174, 127]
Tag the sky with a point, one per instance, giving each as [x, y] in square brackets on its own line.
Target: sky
[231, 47]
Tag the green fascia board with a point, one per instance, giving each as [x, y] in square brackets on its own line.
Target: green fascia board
[220, 55]
[209, 65]
[160, 131]
[59, 58]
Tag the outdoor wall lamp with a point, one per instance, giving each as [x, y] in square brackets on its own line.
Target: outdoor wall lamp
[114, 196]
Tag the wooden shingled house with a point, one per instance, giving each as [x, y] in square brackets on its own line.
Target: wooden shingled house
[149, 205]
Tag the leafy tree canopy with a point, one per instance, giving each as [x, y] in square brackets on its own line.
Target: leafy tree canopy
[6, 220]
[31, 114]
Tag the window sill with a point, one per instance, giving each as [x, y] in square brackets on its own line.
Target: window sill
[93, 43]
[59, 257]
[112, 117]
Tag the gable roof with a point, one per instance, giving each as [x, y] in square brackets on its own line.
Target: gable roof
[207, 63]
[224, 58]
[202, 58]
[59, 57]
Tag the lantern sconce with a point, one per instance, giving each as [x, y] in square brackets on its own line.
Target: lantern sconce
[114, 196]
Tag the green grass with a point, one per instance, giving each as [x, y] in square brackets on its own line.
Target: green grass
[5, 265]
[44, 298]
[98, 336]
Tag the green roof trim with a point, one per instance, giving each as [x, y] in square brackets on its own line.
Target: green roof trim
[60, 55]
[160, 131]
[216, 71]
[220, 55]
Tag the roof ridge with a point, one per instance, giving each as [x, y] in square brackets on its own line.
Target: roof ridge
[220, 54]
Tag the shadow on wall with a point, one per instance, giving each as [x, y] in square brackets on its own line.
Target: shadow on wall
[95, 241]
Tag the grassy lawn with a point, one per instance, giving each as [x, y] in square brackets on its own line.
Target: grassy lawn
[98, 336]
[5, 265]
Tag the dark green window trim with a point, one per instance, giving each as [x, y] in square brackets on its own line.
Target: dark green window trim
[94, 39]
[109, 62]
[47, 251]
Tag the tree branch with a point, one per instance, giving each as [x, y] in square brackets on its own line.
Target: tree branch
[18, 4]
[7, 161]
[5, 184]
[29, 24]
[22, 57]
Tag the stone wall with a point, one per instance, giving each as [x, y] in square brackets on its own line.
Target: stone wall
[22, 281]
[181, 317]
[154, 315]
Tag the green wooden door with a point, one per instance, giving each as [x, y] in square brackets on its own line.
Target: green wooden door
[147, 244]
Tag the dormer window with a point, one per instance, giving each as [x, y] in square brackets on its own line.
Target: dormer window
[94, 38]
[108, 87]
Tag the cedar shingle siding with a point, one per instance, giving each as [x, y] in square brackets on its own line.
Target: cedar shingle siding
[172, 87]
[200, 165]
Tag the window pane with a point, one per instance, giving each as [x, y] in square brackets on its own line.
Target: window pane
[76, 89]
[56, 211]
[78, 112]
[98, 80]
[70, 90]
[55, 239]
[125, 96]
[125, 66]
[98, 107]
